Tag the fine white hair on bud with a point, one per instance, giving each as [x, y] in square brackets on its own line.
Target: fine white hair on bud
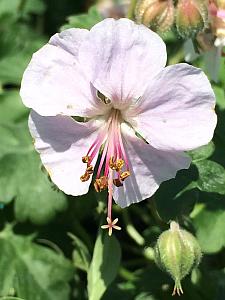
[156, 14]
[191, 17]
[177, 252]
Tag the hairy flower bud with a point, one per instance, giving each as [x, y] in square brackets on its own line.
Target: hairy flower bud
[177, 252]
[217, 14]
[157, 14]
[191, 17]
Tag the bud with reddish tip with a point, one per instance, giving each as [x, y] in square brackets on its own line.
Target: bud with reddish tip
[217, 13]
[191, 17]
[156, 14]
[177, 252]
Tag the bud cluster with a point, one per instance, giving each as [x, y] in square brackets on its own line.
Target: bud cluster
[188, 16]
[177, 252]
[217, 20]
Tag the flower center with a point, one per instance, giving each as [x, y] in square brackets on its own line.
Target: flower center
[113, 167]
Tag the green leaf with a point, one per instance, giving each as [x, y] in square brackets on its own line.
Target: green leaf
[9, 7]
[10, 298]
[84, 20]
[15, 11]
[22, 179]
[81, 255]
[104, 265]
[220, 97]
[209, 225]
[33, 271]
[176, 197]
[34, 7]
[222, 71]
[211, 177]
[145, 296]
[18, 43]
[12, 108]
[209, 220]
[15, 139]
[202, 152]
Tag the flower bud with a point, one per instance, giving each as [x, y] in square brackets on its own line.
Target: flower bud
[177, 252]
[191, 17]
[156, 14]
[217, 13]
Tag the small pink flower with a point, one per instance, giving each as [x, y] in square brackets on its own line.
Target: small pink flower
[140, 116]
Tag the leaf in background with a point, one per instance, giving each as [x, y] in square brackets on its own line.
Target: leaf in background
[12, 108]
[202, 152]
[81, 255]
[104, 265]
[145, 296]
[18, 43]
[10, 298]
[22, 179]
[15, 139]
[33, 7]
[9, 7]
[211, 177]
[222, 71]
[16, 9]
[177, 196]
[84, 20]
[208, 219]
[33, 271]
[209, 225]
[220, 97]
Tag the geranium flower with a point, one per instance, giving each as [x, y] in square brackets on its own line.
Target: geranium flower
[136, 117]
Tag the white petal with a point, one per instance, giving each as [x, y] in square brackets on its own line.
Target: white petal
[54, 82]
[149, 167]
[62, 142]
[177, 110]
[121, 57]
[69, 40]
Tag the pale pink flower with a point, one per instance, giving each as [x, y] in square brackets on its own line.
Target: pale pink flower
[139, 115]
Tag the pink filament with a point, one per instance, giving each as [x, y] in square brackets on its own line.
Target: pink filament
[221, 13]
[111, 137]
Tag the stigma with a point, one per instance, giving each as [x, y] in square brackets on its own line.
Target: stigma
[112, 167]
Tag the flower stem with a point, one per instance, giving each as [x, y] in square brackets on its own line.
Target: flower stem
[155, 214]
[130, 14]
[131, 230]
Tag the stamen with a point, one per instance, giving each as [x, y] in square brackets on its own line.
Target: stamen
[102, 160]
[90, 170]
[119, 164]
[113, 167]
[85, 159]
[85, 177]
[117, 182]
[124, 175]
[112, 164]
[116, 165]
[101, 184]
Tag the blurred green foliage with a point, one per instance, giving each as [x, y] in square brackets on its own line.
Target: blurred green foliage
[38, 258]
